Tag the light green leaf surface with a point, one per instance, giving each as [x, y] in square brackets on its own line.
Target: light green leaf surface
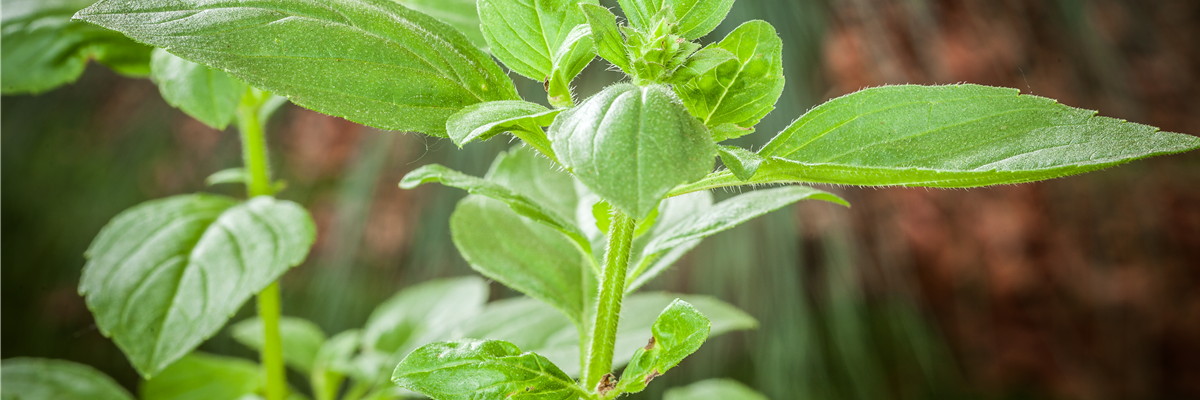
[373, 62]
[741, 162]
[631, 144]
[229, 175]
[210, 96]
[478, 369]
[334, 356]
[954, 136]
[537, 327]
[696, 18]
[523, 254]
[484, 120]
[164, 275]
[535, 177]
[46, 379]
[606, 37]
[714, 389]
[526, 35]
[677, 333]
[740, 91]
[426, 309]
[520, 204]
[200, 376]
[301, 339]
[43, 49]
[697, 220]
[460, 14]
[700, 62]
[572, 56]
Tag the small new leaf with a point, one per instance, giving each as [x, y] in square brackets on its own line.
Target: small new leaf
[373, 62]
[744, 90]
[743, 163]
[44, 379]
[483, 369]
[953, 136]
[484, 120]
[631, 144]
[606, 37]
[528, 36]
[163, 276]
[301, 339]
[696, 18]
[208, 95]
[678, 332]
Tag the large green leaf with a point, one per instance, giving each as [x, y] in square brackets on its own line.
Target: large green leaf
[44, 379]
[714, 389]
[202, 376]
[208, 95]
[953, 136]
[528, 37]
[483, 369]
[631, 144]
[740, 91]
[520, 204]
[680, 233]
[43, 49]
[696, 18]
[460, 14]
[521, 253]
[370, 61]
[537, 327]
[677, 333]
[163, 276]
[537, 178]
[301, 339]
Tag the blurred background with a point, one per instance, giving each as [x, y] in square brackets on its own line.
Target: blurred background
[1079, 288]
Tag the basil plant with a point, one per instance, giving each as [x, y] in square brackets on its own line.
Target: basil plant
[603, 194]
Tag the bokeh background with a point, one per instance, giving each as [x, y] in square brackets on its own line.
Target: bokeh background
[1079, 288]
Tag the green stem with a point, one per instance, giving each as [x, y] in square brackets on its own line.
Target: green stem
[258, 183]
[612, 291]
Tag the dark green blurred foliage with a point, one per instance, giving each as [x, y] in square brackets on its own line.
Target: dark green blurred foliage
[1080, 288]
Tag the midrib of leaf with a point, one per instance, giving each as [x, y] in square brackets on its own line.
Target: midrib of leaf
[741, 67]
[941, 128]
[346, 22]
[509, 24]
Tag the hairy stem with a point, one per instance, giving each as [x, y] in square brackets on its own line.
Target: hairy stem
[258, 183]
[612, 291]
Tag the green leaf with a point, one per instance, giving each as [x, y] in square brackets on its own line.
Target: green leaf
[483, 369]
[229, 175]
[572, 56]
[744, 90]
[210, 96]
[523, 254]
[537, 178]
[520, 204]
[743, 163]
[537, 327]
[484, 120]
[631, 144]
[43, 49]
[696, 17]
[333, 356]
[301, 339]
[164, 275]
[714, 389]
[45, 379]
[373, 62]
[526, 35]
[677, 333]
[410, 317]
[200, 376]
[701, 62]
[606, 38]
[704, 221]
[459, 14]
[953, 136]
